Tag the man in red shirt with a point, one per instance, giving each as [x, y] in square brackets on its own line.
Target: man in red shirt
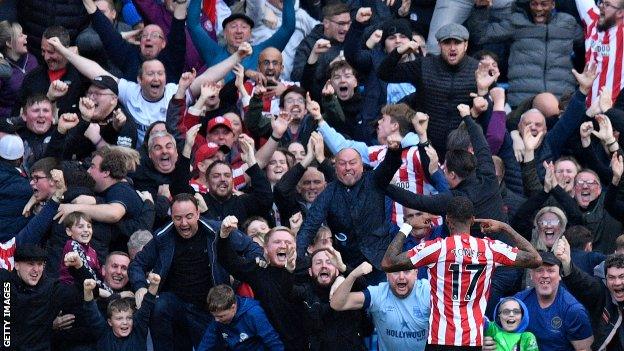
[460, 268]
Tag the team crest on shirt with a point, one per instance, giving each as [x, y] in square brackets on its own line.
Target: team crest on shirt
[556, 322]
[224, 335]
[243, 337]
[600, 48]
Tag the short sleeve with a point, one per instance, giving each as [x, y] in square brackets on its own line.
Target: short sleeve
[125, 90]
[503, 254]
[578, 326]
[426, 253]
[371, 298]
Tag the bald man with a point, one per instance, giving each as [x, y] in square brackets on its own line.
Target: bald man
[270, 66]
[353, 206]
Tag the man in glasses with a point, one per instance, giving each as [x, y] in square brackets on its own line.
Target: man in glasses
[590, 199]
[152, 45]
[603, 24]
[321, 47]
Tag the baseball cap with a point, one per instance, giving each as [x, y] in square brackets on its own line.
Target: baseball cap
[395, 26]
[549, 258]
[219, 121]
[29, 252]
[11, 147]
[236, 16]
[106, 82]
[207, 151]
[452, 31]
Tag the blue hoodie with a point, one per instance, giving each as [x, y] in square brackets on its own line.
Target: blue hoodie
[249, 330]
[507, 341]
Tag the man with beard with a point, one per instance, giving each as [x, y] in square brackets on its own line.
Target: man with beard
[600, 297]
[122, 205]
[603, 23]
[153, 44]
[184, 253]
[329, 329]
[33, 301]
[399, 307]
[273, 286]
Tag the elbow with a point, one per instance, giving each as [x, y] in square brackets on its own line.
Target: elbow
[386, 264]
[537, 261]
[335, 304]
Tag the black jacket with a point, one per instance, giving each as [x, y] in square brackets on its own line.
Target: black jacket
[481, 188]
[32, 310]
[274, 289]
[439, 88]
[38, 82]
[15, 192]
[605, 314]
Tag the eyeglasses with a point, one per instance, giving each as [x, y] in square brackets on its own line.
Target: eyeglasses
[152, 36]
[590, 183]
[294, 100]
[546, 222]
[606, 4]
[341, 24]
[271, 63]
[514, 311]
[93, 93]
[36, 179]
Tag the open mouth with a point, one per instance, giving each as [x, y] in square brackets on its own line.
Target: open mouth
[618, 293]
[549, 234]
[281, 255]
[401, 286]
[117, 278]
[165, 162]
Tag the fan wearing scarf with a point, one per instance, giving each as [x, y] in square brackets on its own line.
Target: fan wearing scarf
[508, 329]
[78, 252]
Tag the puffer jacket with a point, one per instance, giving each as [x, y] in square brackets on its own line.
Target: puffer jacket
[37, 15]
[540, 54]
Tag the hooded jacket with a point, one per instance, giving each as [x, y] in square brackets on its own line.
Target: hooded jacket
[509, 341]
[15, 192]
[249, 330]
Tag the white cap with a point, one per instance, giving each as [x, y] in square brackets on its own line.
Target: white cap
[11, 147]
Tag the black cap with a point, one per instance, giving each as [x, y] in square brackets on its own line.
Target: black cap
[30, 252]
[395, 26]
[549, 258]
[106, 82]
[236, 16]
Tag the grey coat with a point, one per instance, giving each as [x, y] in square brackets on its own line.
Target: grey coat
[540, 54]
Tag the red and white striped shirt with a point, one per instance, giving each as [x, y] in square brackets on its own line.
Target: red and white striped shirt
[410, 176]
[7, 250]
[605, 49]
[460, 270]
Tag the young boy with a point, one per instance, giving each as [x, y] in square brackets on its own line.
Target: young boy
[78, 228]
[240, 323]
[508, 328]
[126, 329]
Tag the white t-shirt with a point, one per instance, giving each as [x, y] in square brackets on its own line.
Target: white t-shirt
[144, 112]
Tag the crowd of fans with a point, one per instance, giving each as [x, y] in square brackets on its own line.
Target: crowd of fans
[311, 174]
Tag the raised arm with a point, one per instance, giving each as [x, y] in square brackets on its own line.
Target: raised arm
[527, 256]
[396, 259]
[280, 38]
[86, 67]
[216, 72]
[345, 300]
[206, 46]
[392, 71]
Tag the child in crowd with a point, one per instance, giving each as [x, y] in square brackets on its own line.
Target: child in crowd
[240, 323]
[126, 330]
[508, 330]
[78, 227]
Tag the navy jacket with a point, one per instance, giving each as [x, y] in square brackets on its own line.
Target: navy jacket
[14, 194]
[157, 255]
[355, 215]
[250, 330]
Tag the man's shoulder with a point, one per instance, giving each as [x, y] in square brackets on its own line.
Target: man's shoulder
[567, 301]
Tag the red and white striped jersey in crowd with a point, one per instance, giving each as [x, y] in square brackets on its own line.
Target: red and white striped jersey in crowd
[604, 48]
[7, 250]
[410, 176]
[460, 270]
